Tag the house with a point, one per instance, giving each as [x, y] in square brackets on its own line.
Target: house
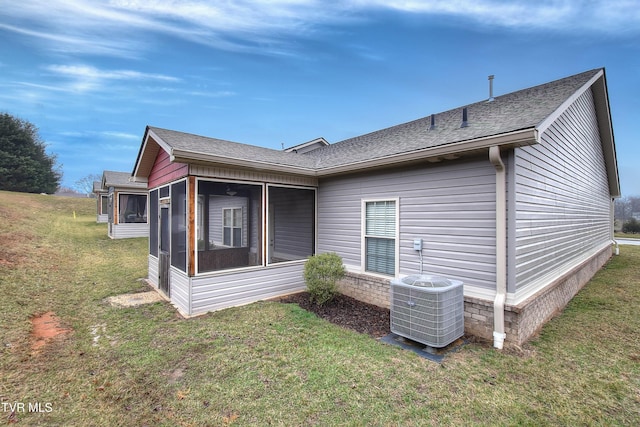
[102, 202]
[513, 195]
[126, 205]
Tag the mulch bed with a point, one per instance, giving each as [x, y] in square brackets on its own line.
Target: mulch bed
[347, 312]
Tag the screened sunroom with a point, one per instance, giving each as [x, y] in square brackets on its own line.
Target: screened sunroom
[124, 205]
[223, 232]
[217, 243]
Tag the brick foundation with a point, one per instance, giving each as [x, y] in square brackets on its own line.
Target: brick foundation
[365, 288]
[522, 321]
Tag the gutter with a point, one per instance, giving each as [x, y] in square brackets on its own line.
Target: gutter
[499, 334]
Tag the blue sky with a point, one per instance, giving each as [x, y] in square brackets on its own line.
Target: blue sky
[91, 74]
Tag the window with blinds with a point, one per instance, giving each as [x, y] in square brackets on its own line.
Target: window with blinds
[380, 237]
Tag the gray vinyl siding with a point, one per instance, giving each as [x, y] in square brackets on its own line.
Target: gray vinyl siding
[125, 231]
[449, 205]
[562, 197]
[153, 271]
[215, 292]
[179, 288]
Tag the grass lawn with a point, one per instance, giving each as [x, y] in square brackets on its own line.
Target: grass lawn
[275, 364]
[621, 235]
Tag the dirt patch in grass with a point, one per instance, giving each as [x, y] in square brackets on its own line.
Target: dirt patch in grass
[347, 312]
[134, 299]
[45, 328]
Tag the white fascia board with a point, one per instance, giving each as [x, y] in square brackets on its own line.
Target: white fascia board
[166, 147]
[145, 146]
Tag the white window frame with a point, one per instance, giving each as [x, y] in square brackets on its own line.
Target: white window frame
[119, 205]
[363, 245]
[233, 243]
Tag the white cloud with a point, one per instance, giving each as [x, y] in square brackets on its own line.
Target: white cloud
[104, 134]
[85, 78]
[599, 16]
[124, 27]
[121, 135]
[85, 42]
[89, 72]
[218, 94]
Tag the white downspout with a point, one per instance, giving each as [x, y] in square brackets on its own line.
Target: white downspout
[501, 248]
[613, 231]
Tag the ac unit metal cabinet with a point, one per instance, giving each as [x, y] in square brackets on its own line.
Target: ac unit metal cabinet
[427, 309]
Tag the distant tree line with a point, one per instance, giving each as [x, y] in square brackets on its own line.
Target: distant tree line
[627, 213]
[24, 164]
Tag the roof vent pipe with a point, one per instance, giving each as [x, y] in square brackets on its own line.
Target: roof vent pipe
[433, 122]
[464, 118]
[491, 98]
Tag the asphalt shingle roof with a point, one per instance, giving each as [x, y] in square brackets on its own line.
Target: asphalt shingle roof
[523, 109]
[222, 148]
[120, 179]
[507, 113]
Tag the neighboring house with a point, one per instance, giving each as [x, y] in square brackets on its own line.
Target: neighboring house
[127, 205]
[102, 202]
[512, 195]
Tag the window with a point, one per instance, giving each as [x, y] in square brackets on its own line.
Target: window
[232, 227]
[132, 208]
[164, 192]
[380, 237]
[229, 225]
[104, 203]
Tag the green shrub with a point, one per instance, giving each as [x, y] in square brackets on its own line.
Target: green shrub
[321, 273]
[631, 226]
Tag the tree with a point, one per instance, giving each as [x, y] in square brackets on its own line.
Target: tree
[85, 184]
[626, 207]
[631, 226]
[24, 164]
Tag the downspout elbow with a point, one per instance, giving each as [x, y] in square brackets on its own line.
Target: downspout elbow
[499, 334]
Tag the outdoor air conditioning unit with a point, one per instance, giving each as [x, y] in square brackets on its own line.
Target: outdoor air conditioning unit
[427, 309]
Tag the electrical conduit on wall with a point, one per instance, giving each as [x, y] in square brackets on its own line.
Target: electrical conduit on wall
[501, 248]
